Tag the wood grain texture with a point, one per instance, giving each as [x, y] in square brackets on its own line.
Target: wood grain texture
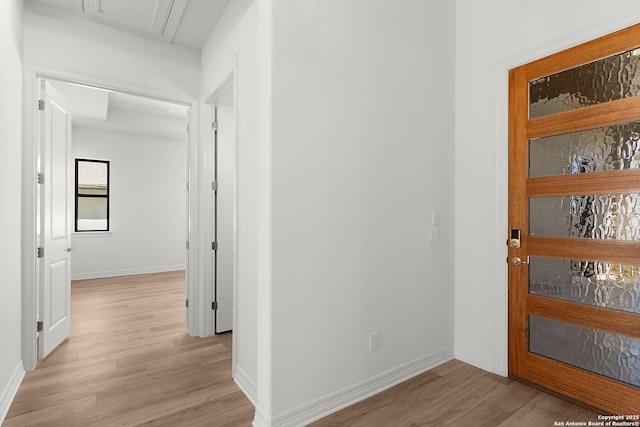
[616, 251]
[589, 316]
[602, 47]
[457, 394]
[590, 117]
[612, 396]
[518, 208]
[129, 361]
[609, 182]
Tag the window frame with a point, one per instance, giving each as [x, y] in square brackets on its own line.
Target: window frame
[107, 196]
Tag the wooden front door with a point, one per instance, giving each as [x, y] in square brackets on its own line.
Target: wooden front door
[574, 204]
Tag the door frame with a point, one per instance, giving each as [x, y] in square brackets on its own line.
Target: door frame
[228, 75]
[31, 75]
[501, 348]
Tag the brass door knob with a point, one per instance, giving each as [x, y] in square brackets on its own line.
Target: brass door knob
[517, 261]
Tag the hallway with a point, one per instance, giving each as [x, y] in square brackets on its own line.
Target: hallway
[130, 361]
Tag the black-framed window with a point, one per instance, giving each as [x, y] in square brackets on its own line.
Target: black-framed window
[92, 195]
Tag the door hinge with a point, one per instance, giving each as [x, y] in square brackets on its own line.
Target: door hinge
[187, 244]
[214, 246]
[40, 252]
[40, 104]
[187, 186]
[186, 303]
[40, 178]
[214, 185]
[214, 125]
[39, 326]
[187, 127]
[214, 305]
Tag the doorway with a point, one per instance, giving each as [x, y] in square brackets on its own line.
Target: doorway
[145, 141]
[224, 206]
[574, 216]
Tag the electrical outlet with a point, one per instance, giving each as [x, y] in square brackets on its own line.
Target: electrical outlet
[373, 341]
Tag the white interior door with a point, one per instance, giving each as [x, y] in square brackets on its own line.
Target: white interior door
[56, 220]
[225, 142]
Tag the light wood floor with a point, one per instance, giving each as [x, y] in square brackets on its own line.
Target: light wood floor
[457, 394]
[130, 362]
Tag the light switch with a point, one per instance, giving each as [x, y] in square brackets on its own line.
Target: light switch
[433, 235]
[435, 218]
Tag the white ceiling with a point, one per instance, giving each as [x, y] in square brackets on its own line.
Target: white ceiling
[105, 109]
[183, 22]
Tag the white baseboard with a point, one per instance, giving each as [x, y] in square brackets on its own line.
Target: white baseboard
[260, 420]
[126, 272]
[10, 391]
[246, 384]
[332, 402]
[474, 360]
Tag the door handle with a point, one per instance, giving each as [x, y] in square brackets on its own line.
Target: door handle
[70, 248]
[517, 261]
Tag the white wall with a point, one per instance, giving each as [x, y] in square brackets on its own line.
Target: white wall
[148, 205]
[234, 44]
[11, 370]
[490, 34]
[363, 120]
[59, 40]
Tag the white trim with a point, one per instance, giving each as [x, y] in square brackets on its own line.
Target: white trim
[29, 207]
[474, 360]
[32, 72]
[109, 84]
[334, 401]
[127, 272]
[229, 73]
[10, 391]
[192, 277]
[246, 384]
[226, 74]
[501, 300]
[91, 234]
[261, 419]
[173, 20]
[591, 32]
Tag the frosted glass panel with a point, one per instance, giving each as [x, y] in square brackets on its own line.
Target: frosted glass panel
[609, 285]
[605, 80]
[592, 150]
[600, 216]
[610, 355]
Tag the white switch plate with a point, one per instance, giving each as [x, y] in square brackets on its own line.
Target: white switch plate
[435, 218]
[373, 341]
[433, 235]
